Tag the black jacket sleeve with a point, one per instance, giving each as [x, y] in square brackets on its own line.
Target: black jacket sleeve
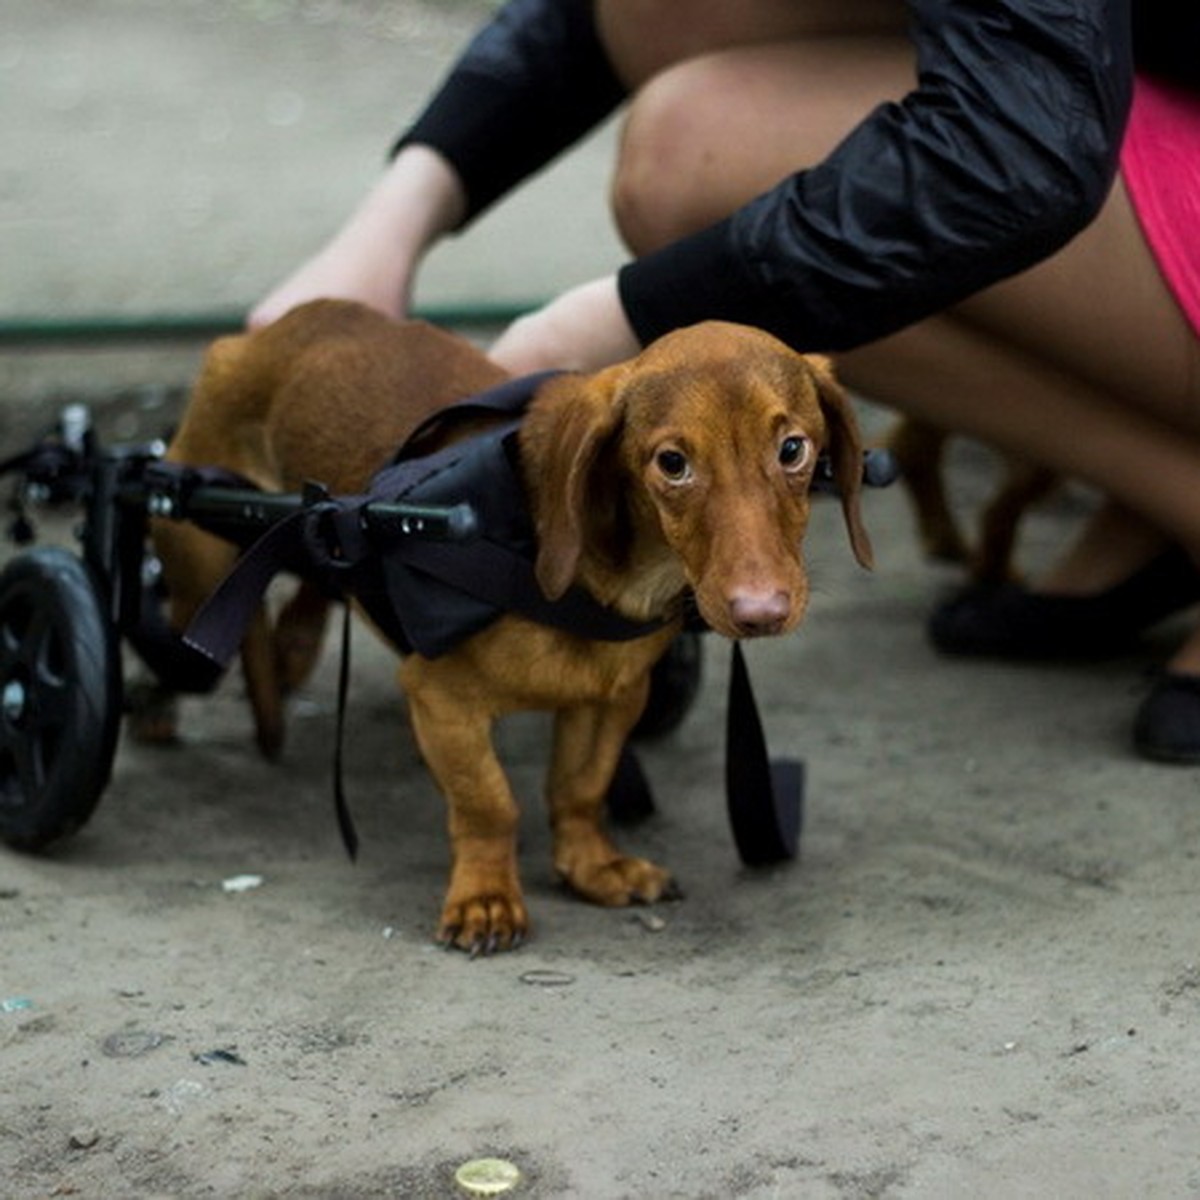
[534, 80]
[1006, 148]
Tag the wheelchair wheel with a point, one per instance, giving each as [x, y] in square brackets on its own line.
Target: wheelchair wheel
[60, 697]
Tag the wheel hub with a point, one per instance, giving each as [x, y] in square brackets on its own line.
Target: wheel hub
[13, 700]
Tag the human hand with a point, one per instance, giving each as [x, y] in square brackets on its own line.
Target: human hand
[373, 258]
[581, 330]
[347, 268]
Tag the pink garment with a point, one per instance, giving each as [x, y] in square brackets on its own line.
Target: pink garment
[1160, 164]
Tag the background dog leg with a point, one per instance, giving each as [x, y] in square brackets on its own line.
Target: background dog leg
[263, 688]
[994, 560]
[194, 563]
[299, 635]
[919, 449]
[484, 909]
[587, 743]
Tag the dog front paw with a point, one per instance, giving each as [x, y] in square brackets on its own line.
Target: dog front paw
[621, 881]
[484, 924]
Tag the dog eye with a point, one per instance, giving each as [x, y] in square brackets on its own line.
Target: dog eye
[673, 464]
[793, 452]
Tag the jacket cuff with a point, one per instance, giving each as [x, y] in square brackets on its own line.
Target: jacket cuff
[531, 84]
[460, 123]
[701, 277]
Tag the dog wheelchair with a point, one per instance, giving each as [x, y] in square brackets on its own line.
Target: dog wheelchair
[65, 616]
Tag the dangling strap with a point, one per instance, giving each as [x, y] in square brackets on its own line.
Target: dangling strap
[765, 797]
[220, 623]
[341, 807]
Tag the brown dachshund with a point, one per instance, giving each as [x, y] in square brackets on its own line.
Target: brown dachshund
[684, 470]
[990, 557]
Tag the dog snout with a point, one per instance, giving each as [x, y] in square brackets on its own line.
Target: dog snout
[759, 613]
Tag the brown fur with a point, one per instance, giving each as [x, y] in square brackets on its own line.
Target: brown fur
[990, 557]
[328, 392]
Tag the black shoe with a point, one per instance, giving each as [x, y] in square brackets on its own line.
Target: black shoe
[1007, 621]
[1167, 725]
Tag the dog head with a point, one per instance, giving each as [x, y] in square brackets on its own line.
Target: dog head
[690, 466]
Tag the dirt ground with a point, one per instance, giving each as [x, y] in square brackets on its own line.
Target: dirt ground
[981, 977]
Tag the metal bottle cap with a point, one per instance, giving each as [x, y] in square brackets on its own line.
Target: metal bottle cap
[487, 1176]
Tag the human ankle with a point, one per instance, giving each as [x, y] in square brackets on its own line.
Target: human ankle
[1186, 659]
[1091, 568]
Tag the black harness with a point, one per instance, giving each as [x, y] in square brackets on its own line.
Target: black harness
[425, 594]
[428, 594]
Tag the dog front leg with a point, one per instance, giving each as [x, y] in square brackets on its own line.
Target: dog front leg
[588, 740]
[484, 909]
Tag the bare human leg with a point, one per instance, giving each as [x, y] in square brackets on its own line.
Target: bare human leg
[1083, 364]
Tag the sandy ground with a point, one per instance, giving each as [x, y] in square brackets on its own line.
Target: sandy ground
[982, 977]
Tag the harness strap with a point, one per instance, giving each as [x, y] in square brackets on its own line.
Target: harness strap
[764, 796]
[219, 625]
[503, 578]
[508, 398]
[340, 806]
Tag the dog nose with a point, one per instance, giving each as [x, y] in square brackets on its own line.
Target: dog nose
[759, 614]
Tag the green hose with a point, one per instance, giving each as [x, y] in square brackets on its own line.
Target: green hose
[110, 330]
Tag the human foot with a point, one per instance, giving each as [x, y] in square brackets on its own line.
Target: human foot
[1010, 621]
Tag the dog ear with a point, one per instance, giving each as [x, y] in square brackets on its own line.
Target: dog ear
[845, 448]
[572, 418]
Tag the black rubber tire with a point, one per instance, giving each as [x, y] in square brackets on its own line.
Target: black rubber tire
[60, 697]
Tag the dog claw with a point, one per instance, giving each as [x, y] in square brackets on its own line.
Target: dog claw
[672, 891]
[485, 947]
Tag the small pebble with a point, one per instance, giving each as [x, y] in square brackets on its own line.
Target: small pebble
[223, 1054]
[131, 1043]
[650, 921]
[83, 1139]
[242, 883]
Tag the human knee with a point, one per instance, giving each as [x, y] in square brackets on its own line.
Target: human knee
[659, 187]
[642, 38]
